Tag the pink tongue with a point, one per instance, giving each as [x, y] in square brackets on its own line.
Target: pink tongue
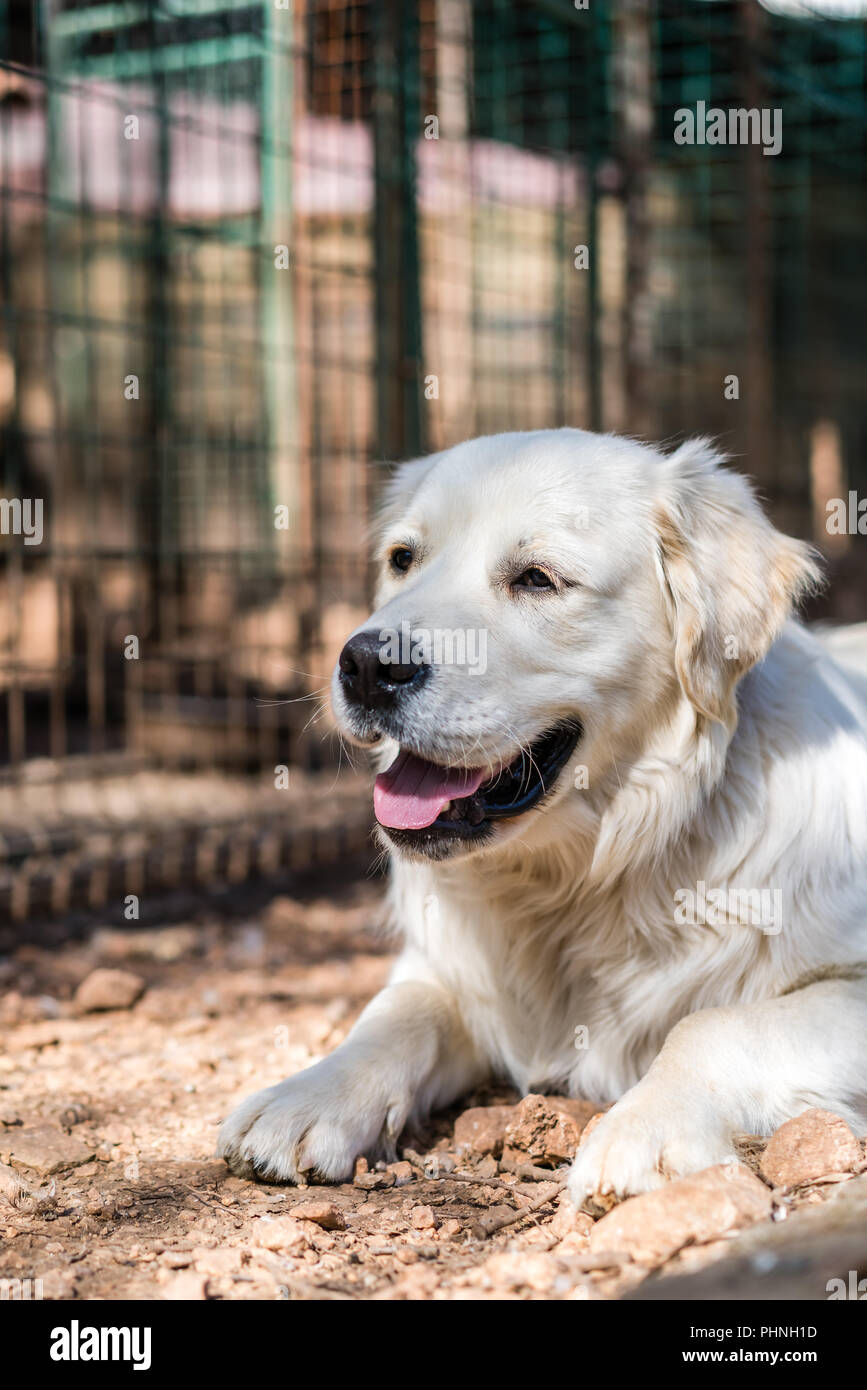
[412, 792]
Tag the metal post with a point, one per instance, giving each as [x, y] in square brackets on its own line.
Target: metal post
[398, 298]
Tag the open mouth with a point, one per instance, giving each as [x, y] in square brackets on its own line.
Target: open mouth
[423, 804]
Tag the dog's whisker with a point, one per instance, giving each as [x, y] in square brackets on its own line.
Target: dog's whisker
[314, 718]
[292, 700]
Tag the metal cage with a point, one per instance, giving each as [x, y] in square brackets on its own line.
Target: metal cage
[250, 251]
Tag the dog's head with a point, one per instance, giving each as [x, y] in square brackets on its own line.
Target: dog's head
[545, 602]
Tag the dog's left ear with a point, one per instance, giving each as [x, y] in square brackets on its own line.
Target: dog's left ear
[730, 578]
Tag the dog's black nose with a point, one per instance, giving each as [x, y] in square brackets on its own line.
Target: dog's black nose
[370, 680]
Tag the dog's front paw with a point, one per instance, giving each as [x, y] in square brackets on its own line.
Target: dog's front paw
[315, 1124]
[645, 1139]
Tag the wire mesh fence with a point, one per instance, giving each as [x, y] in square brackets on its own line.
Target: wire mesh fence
[252, 250]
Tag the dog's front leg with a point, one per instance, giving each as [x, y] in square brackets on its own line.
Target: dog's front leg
[407, 1054]
[726, 1071]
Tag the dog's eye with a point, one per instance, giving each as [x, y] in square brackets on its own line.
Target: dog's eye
[401, 559]
[533, 578]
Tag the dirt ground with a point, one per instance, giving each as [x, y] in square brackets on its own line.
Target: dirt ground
[108, 1119]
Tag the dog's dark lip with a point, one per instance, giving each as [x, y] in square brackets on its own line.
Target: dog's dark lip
[530, 777]
[511, 792]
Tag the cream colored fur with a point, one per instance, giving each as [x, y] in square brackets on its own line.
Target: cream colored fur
[722, 745]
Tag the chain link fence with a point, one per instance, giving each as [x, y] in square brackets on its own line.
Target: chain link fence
[250, 251]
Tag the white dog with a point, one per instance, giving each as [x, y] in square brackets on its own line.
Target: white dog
[629, 847]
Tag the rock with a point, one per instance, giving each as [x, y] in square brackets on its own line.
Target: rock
[370, 1181]
[108, 989]
[186, 1287]
[165, 944]
[591, 1125]
[573, 1243]
[482, 1130]
[284, 1233]
[403, 1173]
[438, 1165]
[383, 1175]
[176, 1259]
[540, 1272]
[546, 1130]
[74, 1114]
[284, 912]
[568, 1219]
[535, 1237]
[219, 1262]
[422, 1218]
[808, 1147]
[537, 1271]
[59, 1282]
[45, 1148]
[17, 1192]
[806, 1257]
[689, 1211]
[98, 1203]
[321, 1213]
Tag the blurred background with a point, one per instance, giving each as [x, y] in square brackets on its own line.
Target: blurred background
[251, 252]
